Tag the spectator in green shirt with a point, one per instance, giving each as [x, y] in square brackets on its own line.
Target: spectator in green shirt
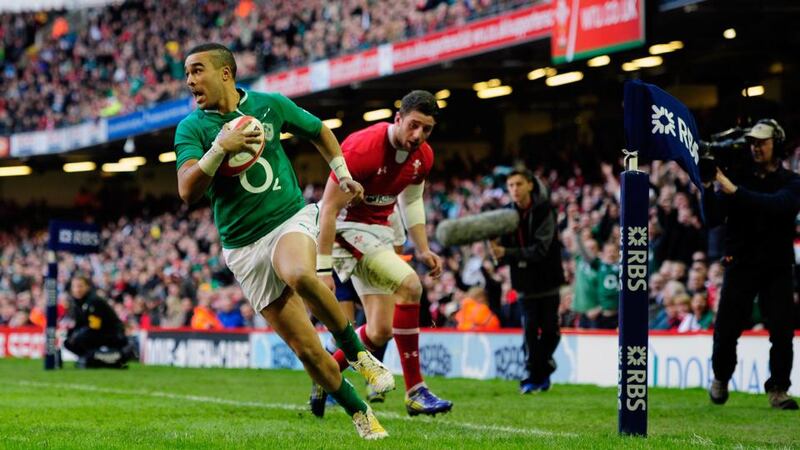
[585, 293]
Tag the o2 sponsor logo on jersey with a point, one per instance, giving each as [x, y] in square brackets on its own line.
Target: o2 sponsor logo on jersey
[270, 180]
[380, 200]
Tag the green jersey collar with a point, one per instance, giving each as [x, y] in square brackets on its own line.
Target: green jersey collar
[242, 98]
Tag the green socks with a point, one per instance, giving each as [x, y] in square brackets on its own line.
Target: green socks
[349, 342]
[348, 398]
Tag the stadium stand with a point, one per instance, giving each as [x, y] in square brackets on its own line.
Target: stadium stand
[62, 68]
[162, 268]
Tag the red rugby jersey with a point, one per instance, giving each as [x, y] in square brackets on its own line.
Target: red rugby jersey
[383, 171]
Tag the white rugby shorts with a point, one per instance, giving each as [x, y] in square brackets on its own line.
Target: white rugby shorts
[376, 268]
[252, 264]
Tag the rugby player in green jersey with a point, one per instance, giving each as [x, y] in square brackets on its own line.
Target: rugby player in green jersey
[268, 233]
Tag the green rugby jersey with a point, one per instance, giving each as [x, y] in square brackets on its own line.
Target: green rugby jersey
[249, 206]
[585, 297]
[607, 285]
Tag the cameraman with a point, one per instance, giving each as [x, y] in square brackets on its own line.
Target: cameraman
[759, 213]
[98, 337]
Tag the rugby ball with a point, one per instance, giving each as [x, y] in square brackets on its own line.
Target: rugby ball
[237, 163]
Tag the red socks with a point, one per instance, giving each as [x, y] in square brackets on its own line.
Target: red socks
[338, 355]
[362, 334]
[406, 337]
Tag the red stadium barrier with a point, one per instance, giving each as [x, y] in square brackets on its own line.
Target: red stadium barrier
[27, 342]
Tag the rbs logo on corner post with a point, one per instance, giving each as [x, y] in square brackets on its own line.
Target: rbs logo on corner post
[636, 263]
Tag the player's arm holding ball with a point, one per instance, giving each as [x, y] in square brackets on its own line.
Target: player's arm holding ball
[195, 175]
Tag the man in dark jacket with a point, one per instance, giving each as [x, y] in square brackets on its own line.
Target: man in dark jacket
[533, 253]
[759, 212]
[98, 337]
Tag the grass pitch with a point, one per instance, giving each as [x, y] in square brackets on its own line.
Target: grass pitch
[163, 407]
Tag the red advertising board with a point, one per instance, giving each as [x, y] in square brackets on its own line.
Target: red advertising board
[584, 28]
[289, 83]
[5, 147]
[357, 67]
[509, 29]
[25, 342]
[524, 25]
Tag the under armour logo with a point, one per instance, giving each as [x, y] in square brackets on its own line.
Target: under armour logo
[407, 355]
[383, 170]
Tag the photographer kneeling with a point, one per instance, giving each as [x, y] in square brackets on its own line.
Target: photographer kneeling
[98, 337]
[759, 211]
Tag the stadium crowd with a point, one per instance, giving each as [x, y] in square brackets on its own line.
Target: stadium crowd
[63, 68]
[165, 268]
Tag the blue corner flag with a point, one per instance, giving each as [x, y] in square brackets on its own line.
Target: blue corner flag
[660, 127]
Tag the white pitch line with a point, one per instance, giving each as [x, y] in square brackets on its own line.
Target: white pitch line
[291, 407]
[157, 394]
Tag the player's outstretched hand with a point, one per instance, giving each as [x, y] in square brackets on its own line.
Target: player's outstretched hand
[433, 261]
[352, 186]
[235, 141]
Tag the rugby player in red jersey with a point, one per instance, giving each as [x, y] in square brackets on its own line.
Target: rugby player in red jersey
[391, 161]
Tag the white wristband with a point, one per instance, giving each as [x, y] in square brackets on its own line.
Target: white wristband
[339, 167]
[211, 160]
[324, 264]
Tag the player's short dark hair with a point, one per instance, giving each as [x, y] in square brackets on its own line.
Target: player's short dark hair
[220, 55]
[524, 173]
[420, 101]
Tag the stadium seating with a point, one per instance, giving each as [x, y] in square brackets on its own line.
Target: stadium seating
[62, 68]
[157, 265]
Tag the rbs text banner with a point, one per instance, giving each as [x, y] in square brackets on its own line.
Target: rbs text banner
[74, 237]
[660, 127]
